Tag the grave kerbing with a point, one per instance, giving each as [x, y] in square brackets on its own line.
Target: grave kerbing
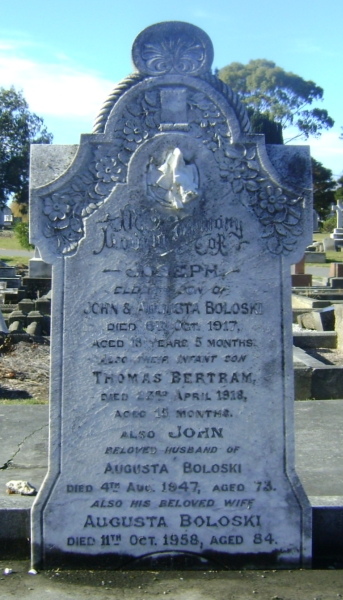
[171, 231]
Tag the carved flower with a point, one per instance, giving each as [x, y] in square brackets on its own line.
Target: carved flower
[233, 169]
[134, 131]
[56, 207]
[108, 169]
[272, 199]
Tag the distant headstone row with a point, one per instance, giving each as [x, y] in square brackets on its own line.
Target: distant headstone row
[171, 231]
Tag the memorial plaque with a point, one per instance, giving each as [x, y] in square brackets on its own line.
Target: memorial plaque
[171, 232]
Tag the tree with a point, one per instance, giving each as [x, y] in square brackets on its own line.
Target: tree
[261, 123]
[339, 189]
[279, 96]
[18, 129]
[323, 189]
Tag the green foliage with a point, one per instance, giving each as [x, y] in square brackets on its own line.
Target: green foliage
[21, 231]
[330, 224]
[18, 129]
[261, 123]
[323, 189]
[339, 189]
[280, 96]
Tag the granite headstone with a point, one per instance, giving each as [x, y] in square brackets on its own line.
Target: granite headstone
[171, 233]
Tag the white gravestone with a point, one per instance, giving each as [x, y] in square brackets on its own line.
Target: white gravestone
[171, 234]
[337, 234]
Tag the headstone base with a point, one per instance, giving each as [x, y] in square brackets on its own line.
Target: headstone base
[301, 280]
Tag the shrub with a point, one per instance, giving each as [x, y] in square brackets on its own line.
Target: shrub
[21, 231]
[330, 224]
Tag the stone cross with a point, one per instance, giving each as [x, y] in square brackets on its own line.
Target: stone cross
[171, 230]
[339, 211]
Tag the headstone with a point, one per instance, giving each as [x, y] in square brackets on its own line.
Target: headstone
[315, 257]
[329, 245]
[315, 221]
[319, 320]
[336, 270]
[171, 237]
[337, 234]
[300, 278]
[339, 325]
[38, 268]
[3, 326]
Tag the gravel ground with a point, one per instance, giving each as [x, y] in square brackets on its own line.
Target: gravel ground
[24, 371]
[176, 585]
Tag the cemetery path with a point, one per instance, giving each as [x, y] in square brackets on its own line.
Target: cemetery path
[177, 585]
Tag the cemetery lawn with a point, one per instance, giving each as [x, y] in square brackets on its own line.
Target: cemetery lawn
[8, 241]
[13, 261]
[330, 256]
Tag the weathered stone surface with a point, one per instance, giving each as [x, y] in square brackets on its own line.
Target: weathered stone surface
[171, 237]
[319, 320]
[324, 319]
[339, 325]
[315, 339]
[306, 320]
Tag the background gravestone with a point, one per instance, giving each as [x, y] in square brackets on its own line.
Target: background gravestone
[171, 236]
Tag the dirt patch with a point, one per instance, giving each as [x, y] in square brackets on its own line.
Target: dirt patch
[24, 371]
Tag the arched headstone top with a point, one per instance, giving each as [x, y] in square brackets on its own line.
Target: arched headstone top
[172, 47]
[174, 96]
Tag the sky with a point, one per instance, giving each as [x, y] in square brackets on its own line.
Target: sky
[67, 55]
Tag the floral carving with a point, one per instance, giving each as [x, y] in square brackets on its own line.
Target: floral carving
[66, 210]
[56, 207]
[206, 122]
[280, 214]
[173, 55]
[277, 210]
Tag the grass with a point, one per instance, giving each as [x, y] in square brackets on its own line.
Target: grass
[330, 256]
[334, 257]
[12, 261]
[9, 242]
[21, 402]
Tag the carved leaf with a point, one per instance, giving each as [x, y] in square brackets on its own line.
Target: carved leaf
[150, 121]
[268, 231]
[251, 185]
[134, 109]
[131, 146]
[297, 230]
[237, 185]
[251, 153]
[231, 152]
[253, 164]
[274, 246]
[151, 98]
[280, 229]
